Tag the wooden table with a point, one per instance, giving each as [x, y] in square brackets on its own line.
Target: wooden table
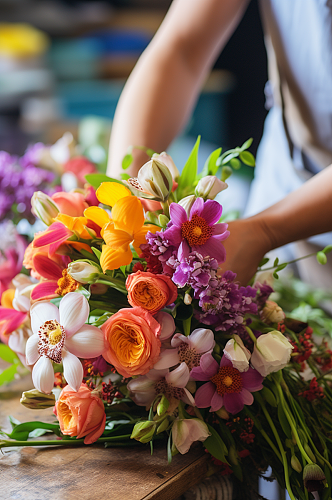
[90, 472]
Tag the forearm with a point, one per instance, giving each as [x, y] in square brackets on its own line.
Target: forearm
[300, 215]
[162, 89]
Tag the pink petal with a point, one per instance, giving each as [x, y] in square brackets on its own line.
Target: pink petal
[178, 377]
[221, 237]
[168, 358]
[141, 384]
[217, 402]
[10, 320]
[41, 312]
[233, 402]
[74, 311]
[204, 395]
[252, 380]
[211, 212]
[225, 362]
[178, 214]
[202, 340]
[209, 365]
[197, 207]
[167, 324]
[46, 267]
[43, 375]
[183, 250]
[179, 339]
[72, 370]
[247, 397]
[44, 290]
[31, 349]
[157, 374]
[220, 228]
[88, 342]
[212, 248]
[53, 237]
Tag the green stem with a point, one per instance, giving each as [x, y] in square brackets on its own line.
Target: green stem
[60, 442]
[281, 448]
[289, 262]
[291, 421]
[251, 334]
[165, 205]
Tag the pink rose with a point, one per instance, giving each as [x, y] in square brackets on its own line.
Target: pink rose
[80, 166]
[151, 291]
[72, 204]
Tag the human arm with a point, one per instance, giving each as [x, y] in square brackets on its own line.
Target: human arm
[300, 215]
[164, 85]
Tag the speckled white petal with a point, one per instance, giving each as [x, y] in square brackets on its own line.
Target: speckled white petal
[41, 312]
[74, 311]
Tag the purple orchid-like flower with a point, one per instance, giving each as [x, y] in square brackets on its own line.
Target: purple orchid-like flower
[226, 386]
[200, 232]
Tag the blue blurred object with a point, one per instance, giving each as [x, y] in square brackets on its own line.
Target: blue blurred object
[122, 41]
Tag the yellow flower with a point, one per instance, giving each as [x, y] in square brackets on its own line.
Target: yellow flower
[126, 226]
[76, 224]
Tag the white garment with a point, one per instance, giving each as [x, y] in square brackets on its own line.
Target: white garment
[299, 45]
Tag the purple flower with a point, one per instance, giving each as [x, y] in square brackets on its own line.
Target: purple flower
[265, 291]
[226, 386]
[198, 233]
[195, 271]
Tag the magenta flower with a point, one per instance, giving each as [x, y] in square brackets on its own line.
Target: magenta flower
[226, 386]
[198, 233]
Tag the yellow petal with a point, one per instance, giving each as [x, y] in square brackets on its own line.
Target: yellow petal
[76, 224]
[128, 215]
[97, 215]
[111, 192]
[113, 259]
[7, 298]
[115, 238]
[139, 237]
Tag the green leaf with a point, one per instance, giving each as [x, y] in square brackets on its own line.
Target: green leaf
[127, 161]
[189, 172]
[211, 166]
[88, 255]
[7, 354]
[235, 163]
[246, 144]
[27, 427]
[327, 249]
[281, 266]
[96, 252]
[83, 291]
[8, 374]
[169, 449]
[96, 179]
[215, 445]
[247, 158]
[275, 275]
[264, 261]
[268, 395]
[284, 422]
[125, 177]
[276, 262]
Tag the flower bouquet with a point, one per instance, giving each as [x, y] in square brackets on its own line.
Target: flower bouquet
[134, 333]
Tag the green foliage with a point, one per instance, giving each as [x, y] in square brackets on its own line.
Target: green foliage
[7, 354]
[96, 179]
[127, 161]
[188, 176]
[211, 166]
[216, 446]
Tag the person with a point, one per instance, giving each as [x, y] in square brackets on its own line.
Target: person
[297, 141]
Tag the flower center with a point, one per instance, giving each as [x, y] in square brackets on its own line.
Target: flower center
[52, 337]
[196, 231]
[162, 387]
[189, 356]
[228, 379]
[66, 284]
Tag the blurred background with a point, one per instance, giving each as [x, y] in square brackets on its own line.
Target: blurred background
[63, 64]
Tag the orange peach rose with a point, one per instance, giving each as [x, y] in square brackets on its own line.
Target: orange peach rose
[150, 291]
[132, 339]
[80, 414]
[72, 204]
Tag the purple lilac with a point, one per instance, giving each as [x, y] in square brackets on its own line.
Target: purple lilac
[264, 292]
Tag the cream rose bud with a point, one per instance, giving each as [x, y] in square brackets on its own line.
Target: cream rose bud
[272, 313]
[155, 178]
[272, 352]
[209, 187]
[237, 354]
[187, 203]
[168, 161]
[43, 207]
[186, 431]
[84, 272]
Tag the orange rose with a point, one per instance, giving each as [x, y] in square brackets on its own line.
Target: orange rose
[132, 339]
[80, 414]
[150, 291]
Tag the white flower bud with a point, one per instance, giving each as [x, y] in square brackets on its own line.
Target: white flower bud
[84, 271]
[272, 352]
[237, 354]
[43, 207]
[168, 161]
[209, 186]
[272, 313]
[155, 178]
[187, 203]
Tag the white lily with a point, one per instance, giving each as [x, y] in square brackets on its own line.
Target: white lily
[186, 431]
[61, 335]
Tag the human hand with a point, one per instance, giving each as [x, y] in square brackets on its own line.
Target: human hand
[245, 247]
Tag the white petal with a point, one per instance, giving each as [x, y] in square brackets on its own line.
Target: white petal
[41, 312]
[167, 324]
[168, 358]
[43, 375]
[17, 341]
[177, 339]
[72, 370]
[74, 311]
[202, 339]
[88, 342]
[178, 377]
[188, 398]
[140, 384]
[31, 349]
